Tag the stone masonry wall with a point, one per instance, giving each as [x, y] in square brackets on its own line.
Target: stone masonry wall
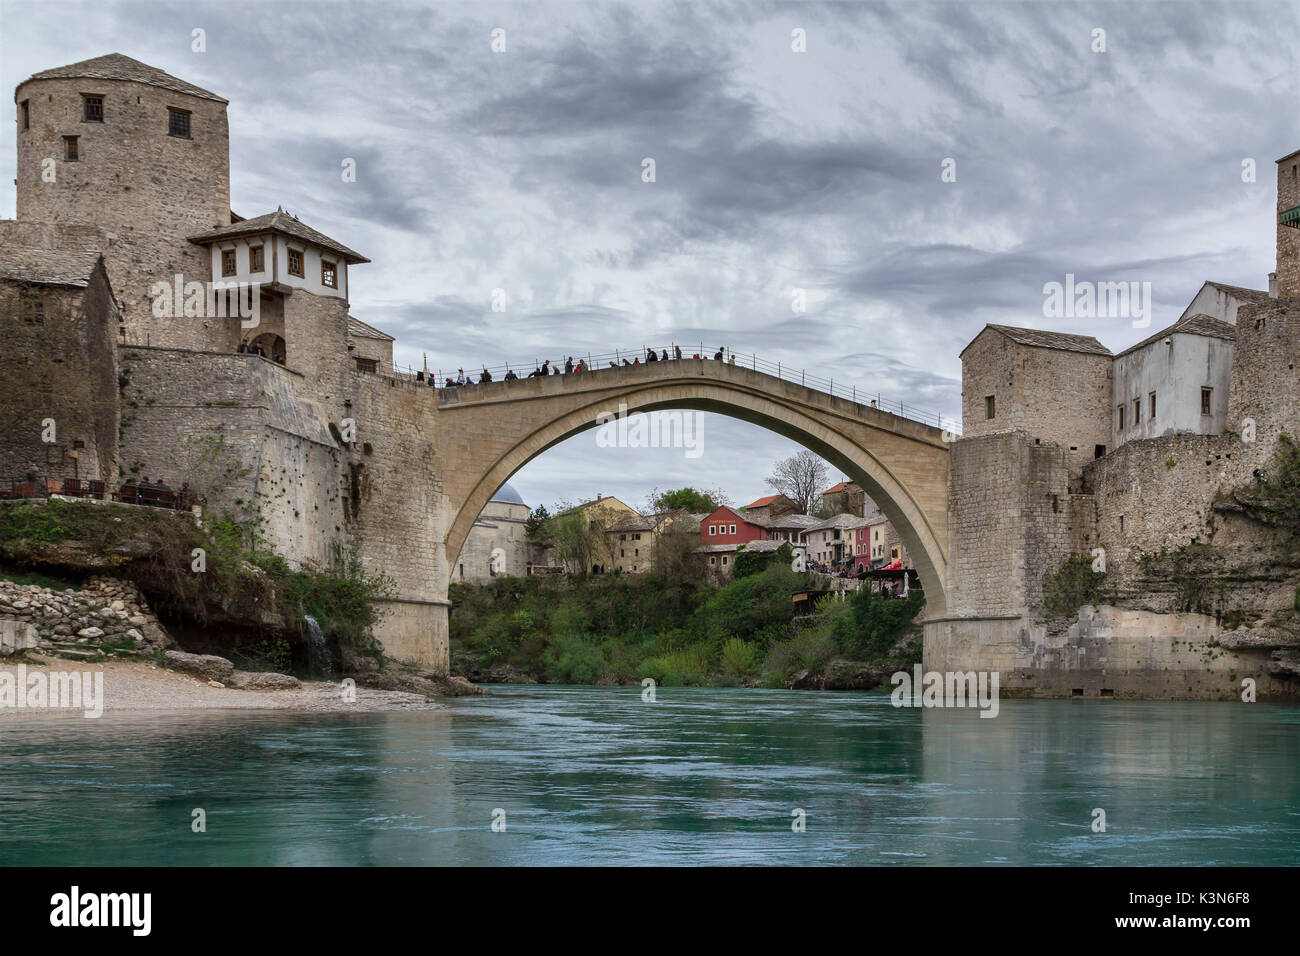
[1288, 237]
[77, 622]
[1050, 394]
[1009, 519]
[60, 368]
[1154, 494]
[242, 432]
[1265, 381]
[144, 190]
[396, 510]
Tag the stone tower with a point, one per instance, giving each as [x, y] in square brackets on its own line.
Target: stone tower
[118, 156]
[1288, 225]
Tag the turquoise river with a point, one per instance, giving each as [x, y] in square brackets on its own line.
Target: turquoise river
[589, 775]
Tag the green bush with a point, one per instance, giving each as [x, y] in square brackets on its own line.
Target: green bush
[676, 668]
[572, 659]
[647, 626]
[570, 619]
[873, 623]
[739, 658]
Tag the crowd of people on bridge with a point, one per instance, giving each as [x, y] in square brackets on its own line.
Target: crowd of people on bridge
[578, 367]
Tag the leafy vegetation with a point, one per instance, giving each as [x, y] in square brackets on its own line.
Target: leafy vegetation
[696, 501]
[196, 572]
[1071, 586]
[621, 628]
[752, 562]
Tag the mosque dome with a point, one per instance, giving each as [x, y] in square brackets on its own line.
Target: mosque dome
[508, 495]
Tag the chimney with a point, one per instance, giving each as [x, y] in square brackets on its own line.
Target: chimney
[1272, 285]
[598, 497]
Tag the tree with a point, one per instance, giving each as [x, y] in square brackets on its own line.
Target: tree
[578, 538]
[675, 558]
[800, 478]
[696, 501]
[535, 525]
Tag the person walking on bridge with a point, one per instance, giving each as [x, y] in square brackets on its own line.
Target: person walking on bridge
[568, 365]
[677, 351]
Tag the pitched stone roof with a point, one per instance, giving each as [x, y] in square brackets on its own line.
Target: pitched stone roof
[764, 545]
[1198, 324]
[845, 522]
[640, 522]
[602, 500]
[283, 223]
[632, 523]
[1239, 292]
[1041, 338]
[720, 548]
[116, 66]
[357, 327]
[46, 266]
[791, 520]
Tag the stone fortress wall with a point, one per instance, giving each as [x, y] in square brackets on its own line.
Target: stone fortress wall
[73, 386]
[1200, 597]
[1057, 396]
[135, 192]
[258, 441]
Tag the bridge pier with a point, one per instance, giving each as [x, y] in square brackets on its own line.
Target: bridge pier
[416, 631]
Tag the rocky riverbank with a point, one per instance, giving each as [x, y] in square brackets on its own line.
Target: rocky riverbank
[144, 686]
[52, 629]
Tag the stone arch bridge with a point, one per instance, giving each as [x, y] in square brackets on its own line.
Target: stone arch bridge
[486, 433]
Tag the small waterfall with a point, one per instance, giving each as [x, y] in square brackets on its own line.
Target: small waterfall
[319, 663]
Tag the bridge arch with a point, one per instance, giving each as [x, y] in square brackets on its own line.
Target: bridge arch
[901, 464]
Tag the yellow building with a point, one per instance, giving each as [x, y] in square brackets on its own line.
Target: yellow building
[632, 539]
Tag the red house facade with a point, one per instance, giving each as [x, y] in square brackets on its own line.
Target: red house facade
[725, 526]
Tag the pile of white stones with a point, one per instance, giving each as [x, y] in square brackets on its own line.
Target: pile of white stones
[77, 622]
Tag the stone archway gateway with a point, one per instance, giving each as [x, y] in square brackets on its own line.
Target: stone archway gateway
[486, 433]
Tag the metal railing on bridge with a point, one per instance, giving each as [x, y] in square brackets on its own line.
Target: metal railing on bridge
[596, 363]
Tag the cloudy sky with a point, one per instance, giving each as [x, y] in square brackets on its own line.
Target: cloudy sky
[819, 170]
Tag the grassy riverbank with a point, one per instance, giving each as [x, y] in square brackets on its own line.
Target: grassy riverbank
[618, 629]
